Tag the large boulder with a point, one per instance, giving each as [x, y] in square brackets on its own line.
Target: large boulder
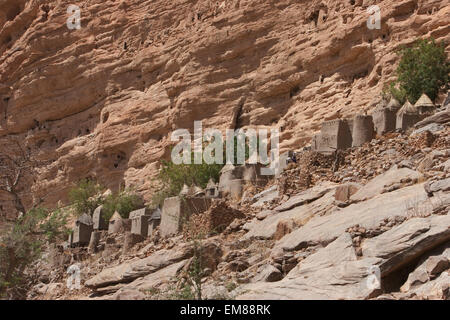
[368, 214]
[298, 215]
[408, 241]
[345, 191]
[332, 273]
[438, 185]
[267, 273]
[382, 182]
[265, 196]
[335, 272]
[129, 271]
[441, 117]
[307, 196]
[153, 280]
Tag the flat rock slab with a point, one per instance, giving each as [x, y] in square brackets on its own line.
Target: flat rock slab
[368, 214]
[153, 280]
[334, 272]
[439, 118]
[129, 271]
[265, 196]
[267, 273]
[436, 289]
[432, 127]
[307, 196]
[439, 185]
[345, 191]
[408, 241]
[267, 228]
[429, 268]
[129, 295]
[378, 184]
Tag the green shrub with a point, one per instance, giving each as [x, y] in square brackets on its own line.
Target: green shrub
[123, 202]
[423, 68]
[392, 90]
[172, 176]
[22, 245]
[84, 197]
[54, 225]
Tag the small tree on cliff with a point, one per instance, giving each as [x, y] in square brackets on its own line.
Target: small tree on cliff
[22, 244]
[423, 68]
[172, 177]
[16, 163]
[86, 196]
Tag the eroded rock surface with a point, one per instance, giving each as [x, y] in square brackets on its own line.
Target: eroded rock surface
[102, 101]
[335, 272]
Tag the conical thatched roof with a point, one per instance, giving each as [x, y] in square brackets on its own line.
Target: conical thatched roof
[408, 108]
[115, 216]
[227, 167]
[380, 106]
[211, 184]
[393, 104]
[424, 101]
[195, 190]
[184, 191]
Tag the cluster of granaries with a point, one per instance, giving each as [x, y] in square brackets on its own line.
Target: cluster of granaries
[175, 210]
[387, 117]
[335, 135]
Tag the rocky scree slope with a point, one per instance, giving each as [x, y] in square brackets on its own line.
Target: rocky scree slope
[384, 210]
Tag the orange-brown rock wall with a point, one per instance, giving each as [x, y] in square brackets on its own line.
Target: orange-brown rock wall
[102, 101]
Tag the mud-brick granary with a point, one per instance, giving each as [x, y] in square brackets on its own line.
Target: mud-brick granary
[334, 135]
[407, 116]
[363, 130]
[424, 105]
[385, 116]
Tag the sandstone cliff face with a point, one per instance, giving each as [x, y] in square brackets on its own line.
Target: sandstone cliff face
[103, 100]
